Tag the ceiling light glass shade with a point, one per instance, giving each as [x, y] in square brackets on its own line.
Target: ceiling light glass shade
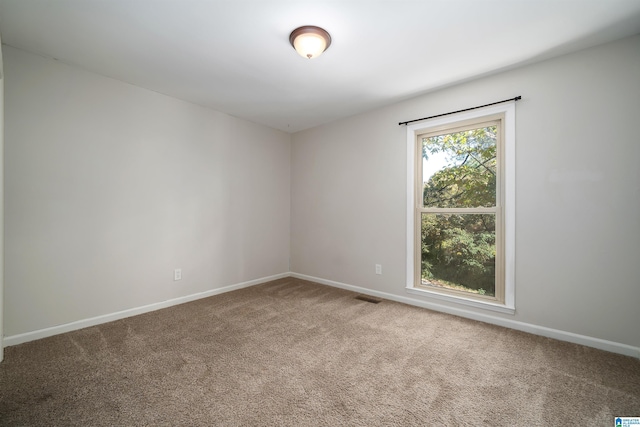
[310, 41]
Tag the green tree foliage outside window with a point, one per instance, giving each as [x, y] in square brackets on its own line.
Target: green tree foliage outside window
[459, 249]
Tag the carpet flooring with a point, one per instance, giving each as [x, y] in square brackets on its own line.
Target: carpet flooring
[295, 353]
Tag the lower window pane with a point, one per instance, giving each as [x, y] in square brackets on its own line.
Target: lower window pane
[459, 252]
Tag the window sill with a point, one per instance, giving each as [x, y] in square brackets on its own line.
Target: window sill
[484, 305]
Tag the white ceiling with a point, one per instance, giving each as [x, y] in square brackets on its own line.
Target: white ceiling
[234, 55]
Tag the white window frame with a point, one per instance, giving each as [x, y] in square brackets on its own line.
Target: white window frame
[507, 110]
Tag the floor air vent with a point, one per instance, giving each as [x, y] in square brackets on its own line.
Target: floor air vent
[367, 298]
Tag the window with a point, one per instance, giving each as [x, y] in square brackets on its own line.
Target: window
[461, 206]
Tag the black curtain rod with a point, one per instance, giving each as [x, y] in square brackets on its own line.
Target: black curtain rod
[517, 98]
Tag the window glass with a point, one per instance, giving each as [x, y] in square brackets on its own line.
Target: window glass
[458, 252]
[459, 169]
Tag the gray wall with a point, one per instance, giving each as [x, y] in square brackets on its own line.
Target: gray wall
[1, 203]
[109, 187]
[577, 192]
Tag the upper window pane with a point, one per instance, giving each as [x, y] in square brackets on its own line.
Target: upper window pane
[459, 169]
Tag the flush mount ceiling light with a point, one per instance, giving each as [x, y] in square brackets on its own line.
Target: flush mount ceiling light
[310, 41]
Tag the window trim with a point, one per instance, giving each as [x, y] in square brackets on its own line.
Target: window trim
[507, 110]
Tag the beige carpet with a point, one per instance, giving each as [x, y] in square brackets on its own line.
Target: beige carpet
[294, 353]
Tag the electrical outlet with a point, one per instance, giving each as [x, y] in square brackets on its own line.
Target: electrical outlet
[177, 274]
[378, 268]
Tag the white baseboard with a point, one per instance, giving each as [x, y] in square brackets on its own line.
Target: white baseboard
[85, 323]
[601, 344]
[598, 343]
